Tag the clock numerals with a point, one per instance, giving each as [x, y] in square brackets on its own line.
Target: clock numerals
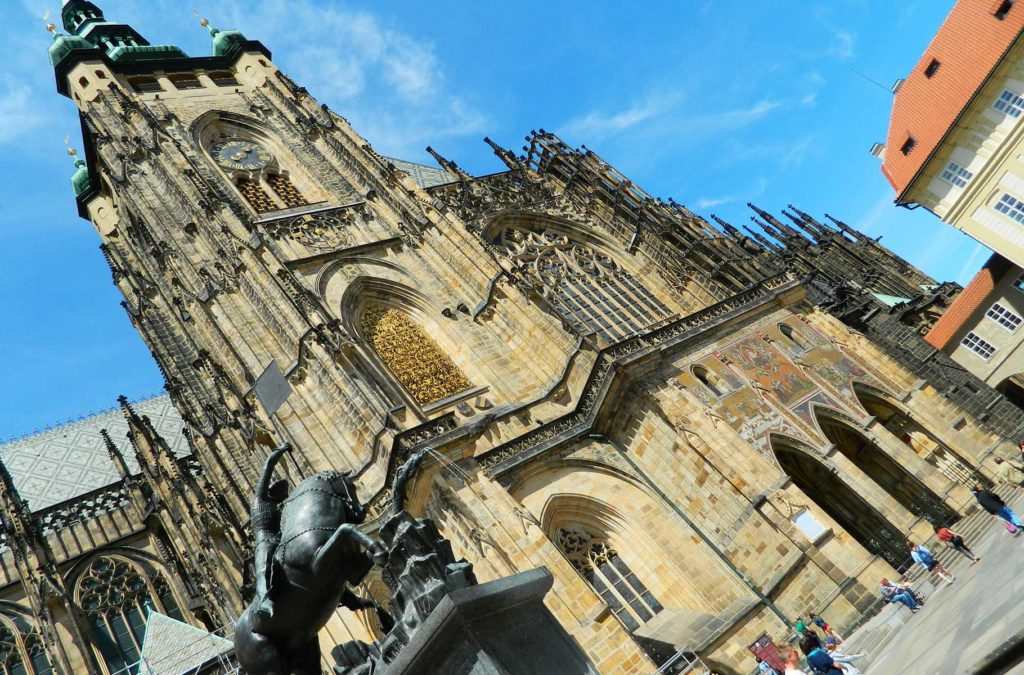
[241, 155]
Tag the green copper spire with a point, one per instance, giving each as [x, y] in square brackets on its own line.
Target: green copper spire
[80, 178]
[222, 39]
[119, 41]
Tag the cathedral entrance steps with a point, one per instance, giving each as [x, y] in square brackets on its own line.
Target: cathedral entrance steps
[872, 636]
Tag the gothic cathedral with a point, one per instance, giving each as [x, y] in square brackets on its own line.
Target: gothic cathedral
[680, 421]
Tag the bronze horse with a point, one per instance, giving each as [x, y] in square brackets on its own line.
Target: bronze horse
[307, 548]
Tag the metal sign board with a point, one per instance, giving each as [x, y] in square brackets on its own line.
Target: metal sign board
[272, 388]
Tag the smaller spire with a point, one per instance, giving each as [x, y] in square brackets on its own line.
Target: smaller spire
[80, 178]
[115, 455]
[223, 40]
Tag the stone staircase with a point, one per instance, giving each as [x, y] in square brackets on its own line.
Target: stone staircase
[871, 637]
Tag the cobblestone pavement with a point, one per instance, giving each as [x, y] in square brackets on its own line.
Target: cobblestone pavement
[963, 622]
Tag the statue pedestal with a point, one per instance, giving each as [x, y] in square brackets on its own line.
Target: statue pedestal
[498, 628]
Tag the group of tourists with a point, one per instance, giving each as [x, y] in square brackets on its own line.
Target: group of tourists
[823, 653]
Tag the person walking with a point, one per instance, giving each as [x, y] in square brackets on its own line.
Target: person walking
[924, 557]
[1010, 473]
[803, 630]
[956, 542]
[825, 628]
[994, 504]
[894, 593]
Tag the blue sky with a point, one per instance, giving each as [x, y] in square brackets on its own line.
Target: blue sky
[712, 102]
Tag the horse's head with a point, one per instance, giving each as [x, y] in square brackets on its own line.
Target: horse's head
[341, 484]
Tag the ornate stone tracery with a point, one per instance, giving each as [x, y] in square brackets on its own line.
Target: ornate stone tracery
[585, 284]
[117, 598]
[599, 563]
[16, 661]
[320, 232]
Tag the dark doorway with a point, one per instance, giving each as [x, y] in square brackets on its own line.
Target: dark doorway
[1013, 389]
[843, 504]
[952, 465]
[884, 470]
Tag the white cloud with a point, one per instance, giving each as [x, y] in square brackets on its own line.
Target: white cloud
[705, 203]
[387, 82]
[597, 125]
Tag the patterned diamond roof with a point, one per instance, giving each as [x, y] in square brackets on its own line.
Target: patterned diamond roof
[70, 460]
[425, 176]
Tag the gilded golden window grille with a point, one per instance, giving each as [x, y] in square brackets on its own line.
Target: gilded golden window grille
[415, 359]
[256, 196]
[288, 193]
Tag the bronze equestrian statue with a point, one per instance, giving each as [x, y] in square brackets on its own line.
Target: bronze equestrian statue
[307, 547]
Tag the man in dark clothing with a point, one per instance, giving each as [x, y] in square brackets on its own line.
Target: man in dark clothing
[818, 659]
[994, 504]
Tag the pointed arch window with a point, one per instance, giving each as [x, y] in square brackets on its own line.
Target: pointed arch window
[256, 172]
[21, 649]
[117, 598]
[584, 284]
[710, 380]
[793, 336]
[599, 563]
[419, 364]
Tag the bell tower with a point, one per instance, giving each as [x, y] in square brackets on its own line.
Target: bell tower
[231, 207]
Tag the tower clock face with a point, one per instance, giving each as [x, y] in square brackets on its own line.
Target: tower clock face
[237, 154]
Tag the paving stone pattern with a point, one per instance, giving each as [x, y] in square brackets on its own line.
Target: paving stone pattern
[962, 622]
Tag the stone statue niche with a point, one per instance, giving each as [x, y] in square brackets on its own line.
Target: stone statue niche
[308, 551]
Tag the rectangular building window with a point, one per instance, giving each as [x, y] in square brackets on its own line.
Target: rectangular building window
[1019, 283]
[1004, 317]
[1011, 208]
[932, 68]
[956, 174]
[1003, 9]
[187, 82]
[908, 145]
[1010, 103]
[979, 346]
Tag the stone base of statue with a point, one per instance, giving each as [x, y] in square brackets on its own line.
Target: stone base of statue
[498, 628]
[445, 623]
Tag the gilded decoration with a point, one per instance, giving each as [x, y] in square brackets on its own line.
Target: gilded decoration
[319, 232]
[415, 359]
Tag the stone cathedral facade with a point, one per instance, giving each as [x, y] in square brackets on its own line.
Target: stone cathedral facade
[691, 427]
